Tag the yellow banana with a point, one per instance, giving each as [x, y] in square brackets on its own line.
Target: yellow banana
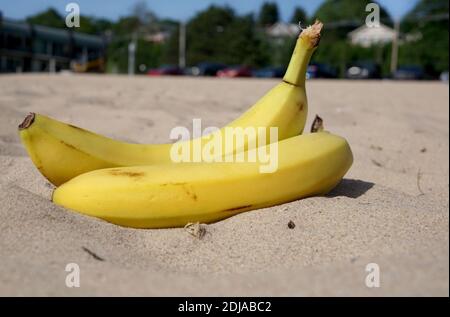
[61, 151]
[172, 195]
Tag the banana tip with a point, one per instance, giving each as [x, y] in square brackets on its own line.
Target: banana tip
[312, 33]
[28, 121]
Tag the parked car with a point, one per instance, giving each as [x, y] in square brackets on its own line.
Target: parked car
[269, 72]
[408, 73]
[235, 71]
[363, 70]
[444, 76]
[205, 69]
[165, 70]
[318, 70]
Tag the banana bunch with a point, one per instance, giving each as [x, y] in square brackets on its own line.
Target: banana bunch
[62, 151]
[140, 186]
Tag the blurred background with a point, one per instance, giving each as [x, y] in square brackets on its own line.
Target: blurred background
[225, 38]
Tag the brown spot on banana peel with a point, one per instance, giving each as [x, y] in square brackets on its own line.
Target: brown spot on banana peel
[189, 192]
[73, 147]
[106, 164]
[69, 145]
[289, 83]
[76, 128]
[36, 159]
[80, 129]
[28, 121]
[173, 184]
[126, 173]
[239, 208]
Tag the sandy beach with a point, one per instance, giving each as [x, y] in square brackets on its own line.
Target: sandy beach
[391, 209]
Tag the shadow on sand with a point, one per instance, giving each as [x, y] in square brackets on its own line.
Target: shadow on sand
[351, 188]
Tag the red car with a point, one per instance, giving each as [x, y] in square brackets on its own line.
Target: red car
[165, 70]
[235, 71]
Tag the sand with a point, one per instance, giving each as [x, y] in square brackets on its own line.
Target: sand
[391, 209]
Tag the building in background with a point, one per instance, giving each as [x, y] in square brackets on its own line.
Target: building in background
[281, 30]
[32, 48]
[159, 37]
[368, 36]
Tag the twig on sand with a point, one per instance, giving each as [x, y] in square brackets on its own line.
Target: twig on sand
[376, 163]
[376, 147]
[291, 224]
[419, 176]
[196, 229]
[93, 254]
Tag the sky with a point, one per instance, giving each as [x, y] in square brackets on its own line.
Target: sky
[175, 9]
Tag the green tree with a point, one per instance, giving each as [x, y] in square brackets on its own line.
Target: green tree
[285, 48]
[219, 35]
[137, 26]
[49, 17]
[299, 15]
[87, 25]
[52, 18]
[103, 25]
[148, 21]
[428, 23]
[170, 49]
[93, 26]
[343, 16]
[268, 15]
[245, 46]
[126, 26]
[340, 17]
[205, 35]
[148, 55]
[428, 8]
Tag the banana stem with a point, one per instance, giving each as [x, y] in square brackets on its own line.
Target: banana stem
[306, 44]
